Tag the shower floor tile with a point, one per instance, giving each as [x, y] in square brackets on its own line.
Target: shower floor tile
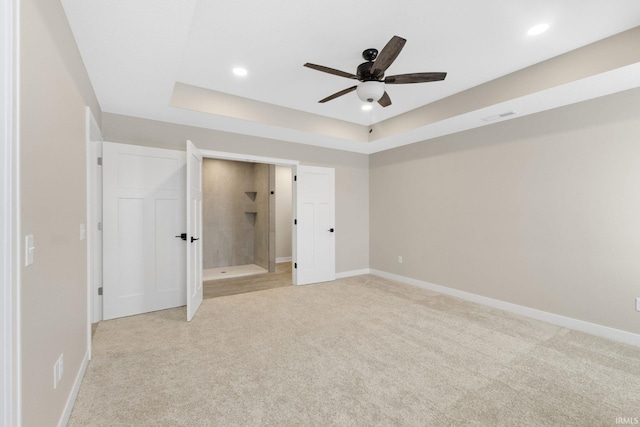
[232, 271]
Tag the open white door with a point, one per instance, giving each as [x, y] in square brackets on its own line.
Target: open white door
[194, 230]
[94, 218]
[314, 232]
[143, 211]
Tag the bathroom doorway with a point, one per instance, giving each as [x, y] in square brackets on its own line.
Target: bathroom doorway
[239, 218]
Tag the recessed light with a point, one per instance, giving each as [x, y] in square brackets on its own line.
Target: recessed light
[538, 29]
[239, 71]
[367, 107]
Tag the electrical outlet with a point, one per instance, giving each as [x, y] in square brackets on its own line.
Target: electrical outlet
[638, 304]
[399, 259]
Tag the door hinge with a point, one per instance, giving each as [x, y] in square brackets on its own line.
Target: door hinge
[99, 226]
[100, 290]
[295, 265]
[99, 161]
[295, 222]
[295, 177]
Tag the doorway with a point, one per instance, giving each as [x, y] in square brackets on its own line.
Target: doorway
[239, 210]
[250, 208]
[312, 246]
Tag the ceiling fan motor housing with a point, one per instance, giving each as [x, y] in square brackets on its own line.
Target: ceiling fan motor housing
[364, 72]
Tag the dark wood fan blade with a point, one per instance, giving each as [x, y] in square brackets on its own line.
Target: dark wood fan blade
[415, 78]
[385, 101]
[337, 94]
[387, 55]
[331, 71]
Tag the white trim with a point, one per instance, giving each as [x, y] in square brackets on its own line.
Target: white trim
[10, 341]
[556, 319]
[88, 222]
[248, 158]
[93, 136]
[68, 408]
[272, 161]
[6, 217]
[17, 212]
[283, 259]
[353, 273]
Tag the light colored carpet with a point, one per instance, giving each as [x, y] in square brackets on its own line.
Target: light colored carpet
[362, 351]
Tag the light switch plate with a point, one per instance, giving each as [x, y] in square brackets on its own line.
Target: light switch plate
[29, 249]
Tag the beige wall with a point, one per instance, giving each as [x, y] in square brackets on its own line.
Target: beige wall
[54, 90]
[541, 211]
[352, 172]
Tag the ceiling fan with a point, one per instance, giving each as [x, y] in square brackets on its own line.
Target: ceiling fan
[370, 74]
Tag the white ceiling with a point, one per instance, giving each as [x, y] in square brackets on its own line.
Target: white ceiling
[136, 51]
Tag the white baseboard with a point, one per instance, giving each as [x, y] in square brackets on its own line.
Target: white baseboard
[556, 319]
[66, 415]
[283, 259]
[353, 273]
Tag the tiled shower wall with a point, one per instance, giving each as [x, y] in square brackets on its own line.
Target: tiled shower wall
[236, 214]
[264, 226]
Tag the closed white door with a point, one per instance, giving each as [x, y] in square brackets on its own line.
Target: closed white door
[144, 211]
[194, 230]
[314, 231]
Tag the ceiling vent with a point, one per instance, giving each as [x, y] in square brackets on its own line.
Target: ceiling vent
[500, 116]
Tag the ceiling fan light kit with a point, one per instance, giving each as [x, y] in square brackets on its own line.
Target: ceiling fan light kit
[370, 74]
[370, 91]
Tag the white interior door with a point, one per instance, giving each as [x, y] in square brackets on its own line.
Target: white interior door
[143, 212]
[314, 232]
[194, 230]
[94, 218]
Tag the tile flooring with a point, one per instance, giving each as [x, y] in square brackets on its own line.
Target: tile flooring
[232, 271]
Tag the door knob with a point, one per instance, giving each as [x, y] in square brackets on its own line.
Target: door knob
[183, 236]
[331, 230]
[193, 239]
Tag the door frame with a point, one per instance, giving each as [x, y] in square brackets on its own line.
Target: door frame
[10, 328]
[193, 227]
[223, 155]
[206, 154]
[94, 215]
